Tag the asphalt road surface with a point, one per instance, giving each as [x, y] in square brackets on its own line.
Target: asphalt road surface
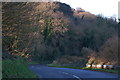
[53, 73]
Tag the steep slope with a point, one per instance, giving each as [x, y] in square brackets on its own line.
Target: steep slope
[48, 31]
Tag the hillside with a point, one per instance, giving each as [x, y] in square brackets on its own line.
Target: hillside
[81, 13]
[54, 32]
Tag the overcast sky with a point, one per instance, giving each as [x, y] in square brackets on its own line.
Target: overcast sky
[108, 8]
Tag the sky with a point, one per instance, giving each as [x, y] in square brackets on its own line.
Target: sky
[107, 8]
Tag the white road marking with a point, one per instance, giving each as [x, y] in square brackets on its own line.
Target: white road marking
[73, 75]
[77, 77]
[64, 73]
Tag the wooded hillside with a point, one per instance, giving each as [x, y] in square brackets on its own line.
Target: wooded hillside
[57, 33]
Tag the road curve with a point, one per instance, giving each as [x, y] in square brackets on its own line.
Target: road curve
[53, 73]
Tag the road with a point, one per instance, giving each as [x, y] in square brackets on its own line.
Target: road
[53, 73]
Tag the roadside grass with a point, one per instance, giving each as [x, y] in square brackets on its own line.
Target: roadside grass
[54, 65]
[104, 70]
[16, 69]
[32, 62]
[84, 68]
[60, 66]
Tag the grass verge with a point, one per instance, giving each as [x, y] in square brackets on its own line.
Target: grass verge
[32, 62]
[16, 69]
[77, 67]
[104, 70]
[60, 66]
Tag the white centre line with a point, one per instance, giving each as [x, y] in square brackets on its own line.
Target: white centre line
[72, 75]
[64, 73]
[77, 77]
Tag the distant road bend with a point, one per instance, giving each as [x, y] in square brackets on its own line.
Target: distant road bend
[53, 73]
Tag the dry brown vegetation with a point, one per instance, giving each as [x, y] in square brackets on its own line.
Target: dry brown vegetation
[49, 31]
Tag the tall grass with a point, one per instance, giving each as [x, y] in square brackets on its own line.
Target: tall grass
[16, 69]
